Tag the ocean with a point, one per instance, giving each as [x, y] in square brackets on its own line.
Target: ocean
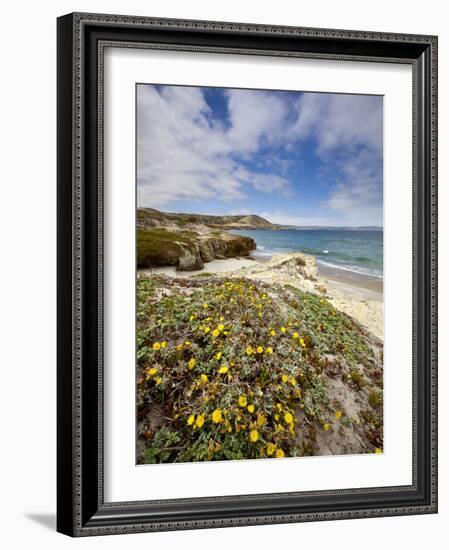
[359, 251]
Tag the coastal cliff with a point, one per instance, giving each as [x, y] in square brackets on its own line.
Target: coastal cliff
[186, 241]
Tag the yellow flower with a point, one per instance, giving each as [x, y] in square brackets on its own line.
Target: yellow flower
[191, 419]
[250, 408]
[192, 317]
[218, 356]
[242, 401]
[191, 363]
[279, 407]
[270, 449]
[321, 301]
[260, 314]
[185, 343]
[288, 418]
[221, 318]
[204, 378]
[249, 350]
[338, 414]
[220, 327]
[273, 333]
[295, 335]
[254, 435]
[326, 427]
[180, 346]
[280, 453]
[158, 381]
[269, 350]
[163, 344]
[156, 346]
[293, 381]
[284, 378]
[261, 419]
[205, 306]
[259, 349]
[206, 330]
[378, 451]
[152, 371]
[216, 416]
[199, 421]
[215, 333]
[283, 330]
[223, 370]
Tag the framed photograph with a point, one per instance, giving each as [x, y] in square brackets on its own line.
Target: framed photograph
[247, 277]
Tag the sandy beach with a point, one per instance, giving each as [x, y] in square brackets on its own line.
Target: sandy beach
[348, 281]
[359, 296]
[215, 266]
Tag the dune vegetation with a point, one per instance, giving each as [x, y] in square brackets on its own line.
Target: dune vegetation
[231, 368]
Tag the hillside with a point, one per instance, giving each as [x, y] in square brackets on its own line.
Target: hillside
[149, 217]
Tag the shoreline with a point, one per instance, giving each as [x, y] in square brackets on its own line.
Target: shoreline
[367, 287]
[358, 295]
[363, 285]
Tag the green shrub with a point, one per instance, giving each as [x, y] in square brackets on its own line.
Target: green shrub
[375, 398]
[160, 247]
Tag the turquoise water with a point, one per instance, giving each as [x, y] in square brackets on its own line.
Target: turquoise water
[359, 251]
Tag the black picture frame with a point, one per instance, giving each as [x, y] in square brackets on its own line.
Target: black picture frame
[81, 510]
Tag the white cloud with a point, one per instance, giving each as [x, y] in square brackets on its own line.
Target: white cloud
[183, 155]
[257, 118]
[349, 133]
[338, 120]
[358, 195]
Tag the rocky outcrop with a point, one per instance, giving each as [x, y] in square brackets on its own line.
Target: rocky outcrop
[188, 250]
[190, 260]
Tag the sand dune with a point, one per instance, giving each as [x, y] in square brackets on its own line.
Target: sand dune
[359, 296]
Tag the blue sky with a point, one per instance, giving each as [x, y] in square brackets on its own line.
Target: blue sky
[294, 158]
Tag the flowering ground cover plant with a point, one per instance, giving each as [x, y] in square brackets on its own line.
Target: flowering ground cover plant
[232, 368]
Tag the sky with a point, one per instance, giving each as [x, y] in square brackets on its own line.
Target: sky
[294, 158]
